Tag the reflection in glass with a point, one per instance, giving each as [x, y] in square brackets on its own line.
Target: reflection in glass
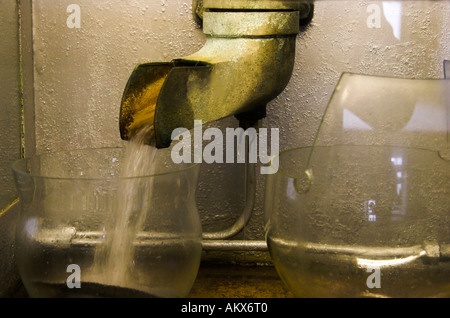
[366, 110]
[372, 192]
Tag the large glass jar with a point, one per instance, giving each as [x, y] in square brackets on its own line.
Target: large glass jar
[86, 232]
[365, 211]
[363, 222]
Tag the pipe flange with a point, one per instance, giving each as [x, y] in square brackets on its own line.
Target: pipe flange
[253, 4]
[305, 7]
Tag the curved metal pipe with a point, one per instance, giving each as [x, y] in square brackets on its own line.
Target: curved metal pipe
[246, 62]
[234, 245]
[250, 194]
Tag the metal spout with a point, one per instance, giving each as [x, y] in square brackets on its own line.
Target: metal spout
[246, 62]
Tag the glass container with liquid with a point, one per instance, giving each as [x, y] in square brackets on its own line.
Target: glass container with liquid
[86, 230]
[365, 211]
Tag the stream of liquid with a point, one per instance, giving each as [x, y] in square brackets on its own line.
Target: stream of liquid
[114, 259]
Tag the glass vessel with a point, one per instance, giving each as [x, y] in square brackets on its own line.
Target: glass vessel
[364, 212]
[84, 231]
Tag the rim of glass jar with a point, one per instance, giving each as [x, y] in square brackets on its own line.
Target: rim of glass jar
[284, 152]
[21, 172]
